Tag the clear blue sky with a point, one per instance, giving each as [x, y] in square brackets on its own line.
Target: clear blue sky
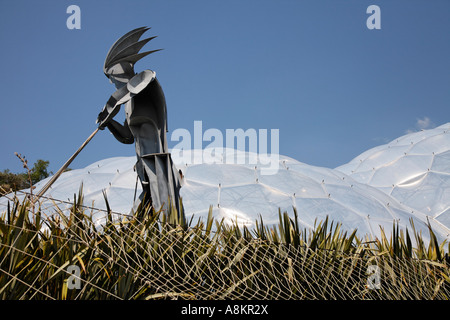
[311, 69]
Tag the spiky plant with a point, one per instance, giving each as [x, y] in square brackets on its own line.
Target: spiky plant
[151, 255]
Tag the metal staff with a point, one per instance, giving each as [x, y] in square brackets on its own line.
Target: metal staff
[64, 167]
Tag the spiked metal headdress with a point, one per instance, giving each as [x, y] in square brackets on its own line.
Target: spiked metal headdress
[124, 53]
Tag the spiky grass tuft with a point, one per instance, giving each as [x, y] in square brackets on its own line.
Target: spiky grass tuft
[151, 255]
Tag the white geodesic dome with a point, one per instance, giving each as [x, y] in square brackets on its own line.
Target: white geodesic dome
[241, 193]
[413, 169]
[405, 179]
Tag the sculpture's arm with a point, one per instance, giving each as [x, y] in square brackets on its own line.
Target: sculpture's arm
[123, 95]
[112, 107]
[121, 132]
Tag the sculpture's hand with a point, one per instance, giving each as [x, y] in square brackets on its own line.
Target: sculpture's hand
[112, 107]
[102, 119]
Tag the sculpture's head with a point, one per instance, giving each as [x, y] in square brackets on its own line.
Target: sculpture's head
[124, 53]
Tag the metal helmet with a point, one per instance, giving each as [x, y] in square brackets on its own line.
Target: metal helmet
[124, 53]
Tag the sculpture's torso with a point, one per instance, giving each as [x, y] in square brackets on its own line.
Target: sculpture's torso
[145, 115]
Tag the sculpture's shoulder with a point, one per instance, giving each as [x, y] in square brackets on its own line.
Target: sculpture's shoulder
[140, 81]
[147, 86]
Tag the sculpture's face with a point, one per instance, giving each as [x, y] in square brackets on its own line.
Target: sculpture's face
[117, 83]
[120, 73]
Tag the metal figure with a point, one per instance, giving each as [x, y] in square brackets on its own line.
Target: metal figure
[146, 119]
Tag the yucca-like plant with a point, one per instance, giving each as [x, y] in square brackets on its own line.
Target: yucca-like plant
[151, 255]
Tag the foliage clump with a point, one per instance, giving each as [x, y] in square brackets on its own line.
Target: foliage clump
[10, 182]
[150, 255]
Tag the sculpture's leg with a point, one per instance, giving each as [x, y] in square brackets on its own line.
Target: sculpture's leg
[164, 180]
[145, 197]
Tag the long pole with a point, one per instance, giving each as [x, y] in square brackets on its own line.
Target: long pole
[64, 167]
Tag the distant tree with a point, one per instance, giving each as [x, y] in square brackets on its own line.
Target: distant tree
[12, 181]
[17, 181]
[39, 171]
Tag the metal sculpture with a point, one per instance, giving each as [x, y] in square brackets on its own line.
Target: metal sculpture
[146, 119]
